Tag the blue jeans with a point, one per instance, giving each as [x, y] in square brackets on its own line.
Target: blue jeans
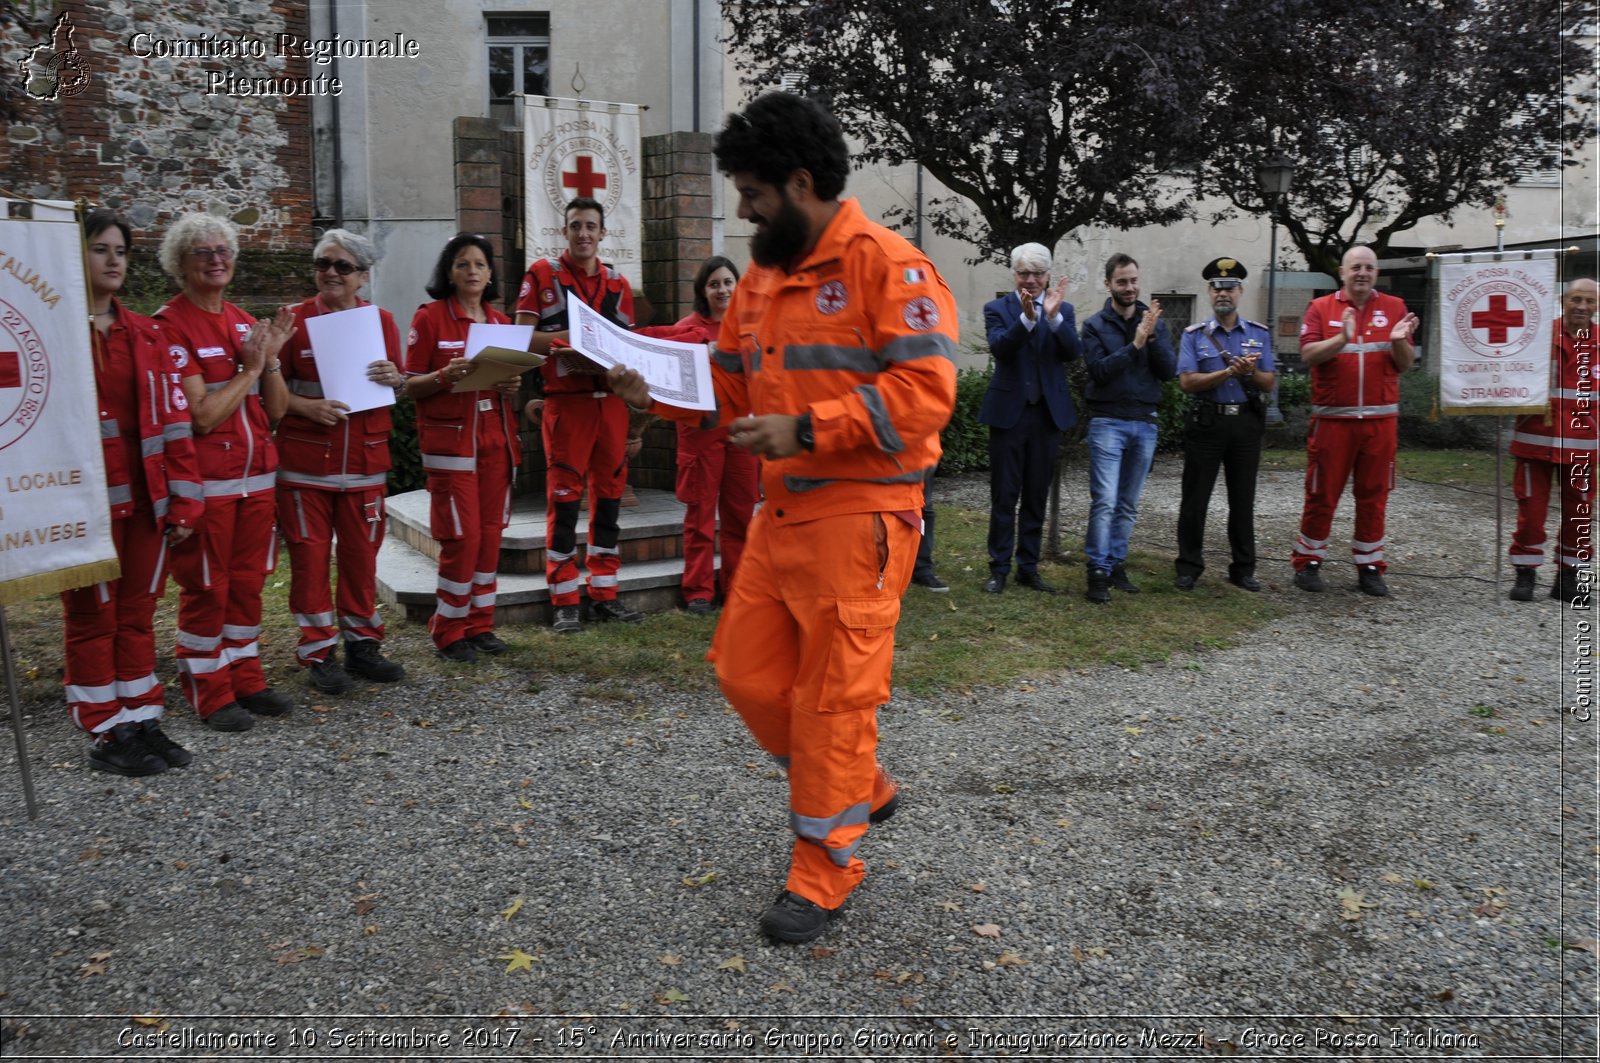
[1120, 453]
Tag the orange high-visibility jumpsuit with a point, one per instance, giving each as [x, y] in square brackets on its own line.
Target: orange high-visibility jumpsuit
[861, 335]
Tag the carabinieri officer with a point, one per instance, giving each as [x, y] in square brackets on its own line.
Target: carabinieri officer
[1226, 365]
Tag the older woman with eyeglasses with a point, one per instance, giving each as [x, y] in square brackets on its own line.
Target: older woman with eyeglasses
[332, 480]
[232, 381]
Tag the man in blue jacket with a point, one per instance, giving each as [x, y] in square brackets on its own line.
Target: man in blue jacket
[1032, 335]
[1128, 353]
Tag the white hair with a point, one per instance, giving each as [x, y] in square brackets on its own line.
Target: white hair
[188, 229]
[358, 247]
[1031, 256]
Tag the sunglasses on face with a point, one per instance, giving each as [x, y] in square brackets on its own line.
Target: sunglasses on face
[338, 265]
[1224, 286]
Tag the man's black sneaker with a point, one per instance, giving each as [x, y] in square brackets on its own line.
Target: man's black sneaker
[1034, 581]
[124, 752]
[565, 621]
[268, 702]
[612, 609]
[1565, 588]
[231, 717]
[1309, 578]
[793, 918]
[1119, 580]
[462, 651]
[165, 748]
[700, 606]
[365, 658]
[486, 642]
[1522, 591]
[329, 676]
[931, 582]
[885, 810]
[1099, 591]
[1184, 581]
[1371, 581]
[1245, 581]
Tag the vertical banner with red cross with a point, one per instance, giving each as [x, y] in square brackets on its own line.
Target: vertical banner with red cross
[55, 525]
[1494, 332]
[584, 148]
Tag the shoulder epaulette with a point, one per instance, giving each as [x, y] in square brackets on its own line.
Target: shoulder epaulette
[1196, 326]
[1257, 324]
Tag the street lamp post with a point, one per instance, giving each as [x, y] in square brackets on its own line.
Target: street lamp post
[1275, 175]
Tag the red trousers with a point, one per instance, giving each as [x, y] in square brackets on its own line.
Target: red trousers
[715, 479]
[470, 511]
[1574, 540]
[220, 571]
[315, 524]
[110, 675]
[1336, 447]
[803, 653]
[585, 442]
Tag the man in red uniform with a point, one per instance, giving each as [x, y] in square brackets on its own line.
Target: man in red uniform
[836, 364]
[1357, 342]
[585, 425]
[1561, 444]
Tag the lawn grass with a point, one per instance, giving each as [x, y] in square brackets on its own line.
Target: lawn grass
[1457, 468]
[945, 642]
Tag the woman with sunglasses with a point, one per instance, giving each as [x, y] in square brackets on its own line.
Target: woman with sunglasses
[154, 488]
[233, 384]
[469, 446]
[332, 479]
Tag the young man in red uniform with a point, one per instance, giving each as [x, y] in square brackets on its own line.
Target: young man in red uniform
[585, 425]
[1561, 444]
[844, 398]
[332, 478]
[1356, 342]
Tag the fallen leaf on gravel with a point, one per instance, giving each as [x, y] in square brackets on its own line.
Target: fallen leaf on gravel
[370, 930]
[181, 865]
[1352, 902]
[1097, 952]
[89, 970]
[702, 880]
[1422, 884]
[1077, 954]
[319, 708]
[152, 1019]
[978, 887]
[672, 996]
[308, 952]
[950, 906]
[1010, 959]
[1443, 996]
[1346, 1018]
[882, 975]
[821, 952]
[1490, 908]
[1063, 823]
[780, 986]
[1135, 731]
[424, 723]
[987, 930]
[517, 960]
[1589, 945]
[671, 959]
[1391, 878]
[524, 804]
[366, 903]
[732, 963]
[510, 913]
[89, 854]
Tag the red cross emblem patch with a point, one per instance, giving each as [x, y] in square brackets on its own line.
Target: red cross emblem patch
[832, 297]
[921, 314]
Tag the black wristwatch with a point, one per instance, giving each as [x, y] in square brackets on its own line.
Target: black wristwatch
[802, 431]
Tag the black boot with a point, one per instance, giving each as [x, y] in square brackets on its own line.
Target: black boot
[123, 752]
[365, 658]
[1522, 590]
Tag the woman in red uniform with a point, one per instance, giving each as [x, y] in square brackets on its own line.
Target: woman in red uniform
[714, 476]
[233, 383]
[154, 487]
[332, 478]
[469, 447]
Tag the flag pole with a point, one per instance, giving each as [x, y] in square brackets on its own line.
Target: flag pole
[16, 718]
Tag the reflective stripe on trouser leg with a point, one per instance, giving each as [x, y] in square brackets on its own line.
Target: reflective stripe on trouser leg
[602, 560]
[220, 571]
[1530, 481]
[360, 519]
[804, 654]
[253, 554]
[306, 517]
[1330, 454]
[110, 645]
[1373, 480]
[560, 555]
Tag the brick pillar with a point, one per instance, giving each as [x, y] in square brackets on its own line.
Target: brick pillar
[478, 191]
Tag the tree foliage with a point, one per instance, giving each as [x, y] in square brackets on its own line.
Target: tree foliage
[1044, 115]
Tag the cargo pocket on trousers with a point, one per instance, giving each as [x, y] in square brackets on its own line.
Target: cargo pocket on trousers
[862, 654]
[444, 520]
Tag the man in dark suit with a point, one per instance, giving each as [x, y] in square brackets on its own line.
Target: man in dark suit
[1032, 335]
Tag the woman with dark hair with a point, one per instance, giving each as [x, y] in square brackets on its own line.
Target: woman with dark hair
[333, 478]
[234, 387]
[469, 446]
[154, 488]
[715, 478]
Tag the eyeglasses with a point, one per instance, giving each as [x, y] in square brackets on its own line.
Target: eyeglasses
[338, 265]
[1032, 273]
[221, 254]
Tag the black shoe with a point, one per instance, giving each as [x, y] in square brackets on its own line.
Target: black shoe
[158, 743]
[613, 610]
[231, 717]
[487, 642]
[1034, 582]
[932, 582]
[995, 584]
[700, 607]
[1184, 582]
[1245, 581]
[565, 621]
[1523, 590]
[462, 651]
[365, 658]
[1119, 580]
[1310, 578]
[267, 702]
[885, 810]
[1099, 591]
[124, 752]
[1371, 581]
[1565, 588]
[795, 919]
[329, 676]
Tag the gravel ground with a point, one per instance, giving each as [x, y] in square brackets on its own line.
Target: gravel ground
[1317, 843]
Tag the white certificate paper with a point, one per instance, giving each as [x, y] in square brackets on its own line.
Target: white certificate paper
[679, 374]
[344, 343]
[517, 337]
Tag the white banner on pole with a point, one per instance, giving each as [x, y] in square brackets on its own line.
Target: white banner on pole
[1494, 332]
[584, 148]
[55, 523]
